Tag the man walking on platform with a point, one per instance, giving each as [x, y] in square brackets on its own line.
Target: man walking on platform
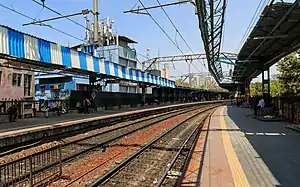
[13, 112]
[86, 104]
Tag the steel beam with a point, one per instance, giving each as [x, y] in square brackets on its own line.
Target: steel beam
[137, 11]
[211, 20]
[175, 58]
[187, 57]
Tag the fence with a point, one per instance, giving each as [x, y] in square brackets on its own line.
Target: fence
[104, 99]
[32, 170]
[29, 107]
[288, 108]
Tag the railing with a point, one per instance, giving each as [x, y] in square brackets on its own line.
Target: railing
[127, 53]
[32, 170]
[29, 106]
[288, 108]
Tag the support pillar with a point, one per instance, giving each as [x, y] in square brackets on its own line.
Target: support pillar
[143, 94]
[266, 83]
[247, 91]
[92, 81]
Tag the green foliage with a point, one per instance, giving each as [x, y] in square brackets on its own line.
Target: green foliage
[275, 88]
[289, 74]
[180, 82]
[256, 88]
[287, 81]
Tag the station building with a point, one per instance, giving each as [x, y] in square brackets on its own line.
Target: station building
[58, 86]
[15, 82]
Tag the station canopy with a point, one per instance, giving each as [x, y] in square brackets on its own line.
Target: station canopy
[276, 34]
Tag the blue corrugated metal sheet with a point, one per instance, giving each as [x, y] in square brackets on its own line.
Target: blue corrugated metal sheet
[16, 44]
[148, 77]
[25, 46]
[123, 72]
[82, 60]
[116, 67]
[130, 74]
[45, 51]
[143, 77]
[66, 56]
[96, 65]
[137, 75]
[106, 66]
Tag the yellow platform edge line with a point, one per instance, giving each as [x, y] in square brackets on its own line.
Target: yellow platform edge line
[238, 174]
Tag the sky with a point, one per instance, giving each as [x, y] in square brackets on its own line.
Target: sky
[138, 27]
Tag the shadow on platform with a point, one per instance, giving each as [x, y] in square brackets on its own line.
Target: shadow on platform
[276, 145]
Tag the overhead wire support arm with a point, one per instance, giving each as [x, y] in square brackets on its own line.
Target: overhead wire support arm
[83, 12]
[43, 4]
[137, 11]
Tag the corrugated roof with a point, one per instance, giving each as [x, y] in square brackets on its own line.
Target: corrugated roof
[266, 45]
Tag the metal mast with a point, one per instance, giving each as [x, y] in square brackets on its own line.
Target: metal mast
[96, 22]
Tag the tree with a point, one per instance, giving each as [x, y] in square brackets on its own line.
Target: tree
[180, 82]
[289, 74]
[275, 88]
[256, 88]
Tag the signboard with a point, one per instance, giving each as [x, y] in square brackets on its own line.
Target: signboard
[93, 95]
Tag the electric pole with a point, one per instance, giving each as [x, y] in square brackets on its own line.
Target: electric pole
[190, 75]
[96, 23]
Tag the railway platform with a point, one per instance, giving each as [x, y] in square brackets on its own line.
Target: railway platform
[6, 126]
[237, 150]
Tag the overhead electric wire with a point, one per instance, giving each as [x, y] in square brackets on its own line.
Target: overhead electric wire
[174, 43]
[174, 26]
[24, 15]
[52, 10]
[160, 27]
[143, 56]
[254, 17]
[177, 31]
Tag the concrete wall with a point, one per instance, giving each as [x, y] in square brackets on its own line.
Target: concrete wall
[8, 90]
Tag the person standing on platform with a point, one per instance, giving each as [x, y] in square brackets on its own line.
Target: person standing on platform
[13, 112]
[53, 107]
[86, 104]
[261, 105]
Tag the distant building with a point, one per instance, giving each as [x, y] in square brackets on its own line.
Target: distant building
[165, 72]
[203, 80]
[122, 54]
[15, 82]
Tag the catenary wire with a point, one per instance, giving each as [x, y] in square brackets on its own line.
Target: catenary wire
[53, 28]
[177, 31]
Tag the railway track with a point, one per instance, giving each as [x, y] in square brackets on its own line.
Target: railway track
[47, 164]
[160, 162]
[83, 131]
[87, 126]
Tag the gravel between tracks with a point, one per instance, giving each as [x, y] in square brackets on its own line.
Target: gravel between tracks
[39, 148]
[116, 152]
[149, 166]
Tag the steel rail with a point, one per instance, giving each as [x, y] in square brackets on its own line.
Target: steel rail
[12, 149]
[113, 139]
[120, 136]
[196, 130]
[72, 156]
[190, 154]
[132, 157]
